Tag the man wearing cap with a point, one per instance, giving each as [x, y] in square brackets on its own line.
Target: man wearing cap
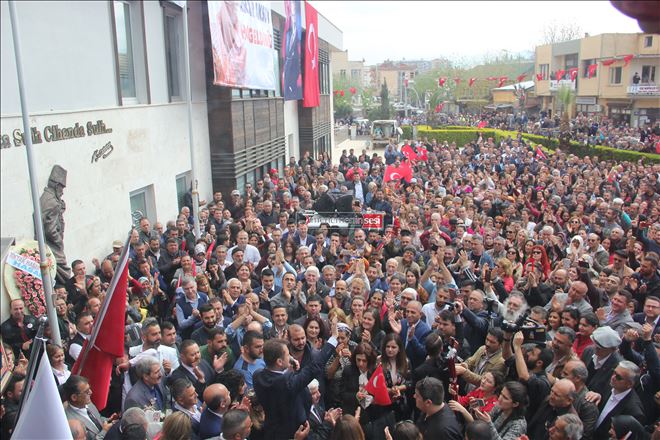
[619, 266]
[601, 358]
[52, 217]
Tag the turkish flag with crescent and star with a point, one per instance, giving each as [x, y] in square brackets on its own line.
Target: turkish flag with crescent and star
[311, 91]
[378, 388]
[402, 172]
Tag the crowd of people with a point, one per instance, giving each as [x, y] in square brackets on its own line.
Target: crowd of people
[508, 296]
[585, 129]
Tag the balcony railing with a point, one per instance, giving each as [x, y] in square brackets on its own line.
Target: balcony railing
[644, 90]
[555, 85]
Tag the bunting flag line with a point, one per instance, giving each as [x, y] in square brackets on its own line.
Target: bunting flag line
[627, 59]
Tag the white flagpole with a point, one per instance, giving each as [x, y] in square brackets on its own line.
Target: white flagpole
[27, 138]
[195, 193]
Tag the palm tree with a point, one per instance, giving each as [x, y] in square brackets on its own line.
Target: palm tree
[566, 96]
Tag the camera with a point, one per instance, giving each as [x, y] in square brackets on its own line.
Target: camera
[584, 264]
[533, 333]
[449, 306]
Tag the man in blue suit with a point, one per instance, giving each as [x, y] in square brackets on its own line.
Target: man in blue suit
[218, 400]
[281, 387]
[414, 332]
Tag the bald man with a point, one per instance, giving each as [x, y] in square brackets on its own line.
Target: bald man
[414, 331]
[218, 400]
[559, 402]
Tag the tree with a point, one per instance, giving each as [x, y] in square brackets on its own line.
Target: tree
[384, 101]
[554, 32]
[566, 97]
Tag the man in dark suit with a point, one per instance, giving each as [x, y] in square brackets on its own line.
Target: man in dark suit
[358, 187]
[620, 399]
[148, 390]
[600, 366]
[217, 399]
[651, 314]
[282, 388]
[192, 367]
[414, 332]
[19, 329]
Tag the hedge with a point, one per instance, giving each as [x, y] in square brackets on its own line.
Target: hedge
[464, 135]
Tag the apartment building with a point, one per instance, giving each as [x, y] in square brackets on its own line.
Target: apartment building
[622, 86]
[344, 68]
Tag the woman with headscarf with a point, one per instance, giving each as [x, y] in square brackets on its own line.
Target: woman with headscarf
[627, 427]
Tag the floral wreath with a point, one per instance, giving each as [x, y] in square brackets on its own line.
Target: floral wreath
[31, 288]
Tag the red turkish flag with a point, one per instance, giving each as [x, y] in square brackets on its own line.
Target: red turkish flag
[471, 81]
[311, 89]
[559, 75]
[106, 343]
[408, 151]
[457, 81]
[627, 59]
[539, 77]
[573, 72]
[341, 92]
[608, 62]
[482, 124]
[378, 388]
[422, 154]
[539, 153]
[402, 172]
[520, 77]
[438, 108]
[592, 69]
[352, 90]
[441, 81]
[503, 79]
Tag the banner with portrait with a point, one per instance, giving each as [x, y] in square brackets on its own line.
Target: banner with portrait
[242, 44]
[291, 48]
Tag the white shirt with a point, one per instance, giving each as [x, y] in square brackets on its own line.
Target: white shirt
[599, 363]
[612, 402]
[75, 349]
[250, 255]
[61, 376]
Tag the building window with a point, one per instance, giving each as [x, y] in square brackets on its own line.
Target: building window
[324, 78]
[355, 74]
[182, 187]
[174, 51]
[648, 74]
[585, 68]
[615, 75]
[342, 73]
[544, 70]
[648, 41]
[571, 61]
[142, 204]
[129, 40]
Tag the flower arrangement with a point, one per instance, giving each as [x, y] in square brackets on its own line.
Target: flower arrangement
[32, 289]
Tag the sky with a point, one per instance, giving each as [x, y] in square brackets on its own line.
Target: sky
[464, 32]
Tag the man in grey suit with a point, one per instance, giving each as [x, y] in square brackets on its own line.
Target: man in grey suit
[616, 315]
[149, 389]
[78, 406]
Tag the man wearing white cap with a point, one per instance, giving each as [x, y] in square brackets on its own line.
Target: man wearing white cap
[602, 358]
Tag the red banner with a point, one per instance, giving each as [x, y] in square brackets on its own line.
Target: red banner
[372, 221]
[311, 91]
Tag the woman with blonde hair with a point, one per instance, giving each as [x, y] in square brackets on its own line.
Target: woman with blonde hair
[177, 426]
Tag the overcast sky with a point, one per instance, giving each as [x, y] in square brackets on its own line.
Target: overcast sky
[462, 31]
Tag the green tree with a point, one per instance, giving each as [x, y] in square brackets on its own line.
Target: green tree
[385, 110]
[566, 97]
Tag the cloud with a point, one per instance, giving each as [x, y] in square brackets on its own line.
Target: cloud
[379, 30]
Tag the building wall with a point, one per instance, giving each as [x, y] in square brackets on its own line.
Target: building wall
[543, 56]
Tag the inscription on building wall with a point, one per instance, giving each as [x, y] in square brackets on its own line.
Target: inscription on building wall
[55, 133]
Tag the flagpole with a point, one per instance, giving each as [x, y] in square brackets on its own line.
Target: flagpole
[39, 228]
[193, 171]
[38, 344]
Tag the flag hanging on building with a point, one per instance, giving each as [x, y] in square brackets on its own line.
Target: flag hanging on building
[311, 91]
[592, 69]
[106, 343]
[378, 388]
[42, 415]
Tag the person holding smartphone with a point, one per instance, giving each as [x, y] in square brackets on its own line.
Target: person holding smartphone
[484, 398]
